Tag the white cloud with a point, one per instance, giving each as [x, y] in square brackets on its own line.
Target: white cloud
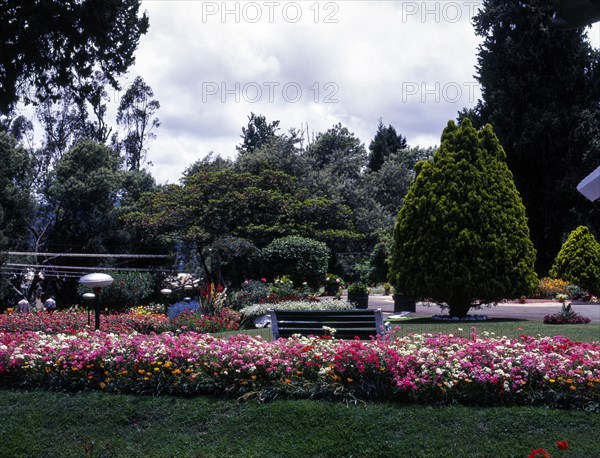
[212, 63]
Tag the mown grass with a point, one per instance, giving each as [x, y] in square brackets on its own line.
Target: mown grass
[48, 424]
[499, 327]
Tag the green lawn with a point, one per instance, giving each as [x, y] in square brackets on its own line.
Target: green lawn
[43, 424]
[500, 327]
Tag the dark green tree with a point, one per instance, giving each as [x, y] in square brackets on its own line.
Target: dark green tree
[16, 202]
[59, 44]
[539, 94]
[461, 237]
[83, 193]
[259, 132]
[385, 142]
[578, 261]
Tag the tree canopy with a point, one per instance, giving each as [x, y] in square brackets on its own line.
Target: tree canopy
[538, 91]
[58, 44]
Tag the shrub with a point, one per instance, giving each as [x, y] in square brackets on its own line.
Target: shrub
[302, 259]
[251, 292]
[461, 237]
[358, 288]
[578, 260]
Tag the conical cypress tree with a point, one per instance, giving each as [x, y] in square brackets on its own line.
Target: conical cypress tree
[461, 237]
[578, 261]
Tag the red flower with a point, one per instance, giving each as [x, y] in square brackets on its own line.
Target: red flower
[264, 280]
[563, 445]
[537, 451]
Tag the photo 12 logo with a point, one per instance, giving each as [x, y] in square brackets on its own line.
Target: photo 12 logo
[271, 92]
[437, 92]
[253, 12]
[438, 11]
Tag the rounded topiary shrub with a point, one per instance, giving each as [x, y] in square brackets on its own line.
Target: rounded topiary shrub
[302, 259]
[578, 260]
[461, 237]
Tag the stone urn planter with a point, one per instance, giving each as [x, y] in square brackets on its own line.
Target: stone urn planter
[404, 303]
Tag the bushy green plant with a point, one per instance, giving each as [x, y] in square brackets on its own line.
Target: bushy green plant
[300, 258]
[358, 288]
[461, 237]
[578, 260]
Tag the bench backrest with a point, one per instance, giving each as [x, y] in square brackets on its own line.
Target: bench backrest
[349, 324]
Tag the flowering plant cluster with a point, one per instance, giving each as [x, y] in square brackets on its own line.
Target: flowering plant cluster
[566, 316]
[550, 288]
[70, 322]
[334, 280]
[416, 368]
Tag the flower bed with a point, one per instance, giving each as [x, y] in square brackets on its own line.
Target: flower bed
[71, 322]
[417, 368]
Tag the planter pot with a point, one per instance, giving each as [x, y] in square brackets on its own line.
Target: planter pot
[360, 300]
[331, 290]
[404, 304]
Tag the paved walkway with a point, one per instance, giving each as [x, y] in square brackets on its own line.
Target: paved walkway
[532, 310]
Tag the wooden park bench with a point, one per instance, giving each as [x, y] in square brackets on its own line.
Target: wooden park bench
[349, 324]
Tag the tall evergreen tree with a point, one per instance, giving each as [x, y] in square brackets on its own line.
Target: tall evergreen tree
[538, 93]
[385, 142]
[461, 237]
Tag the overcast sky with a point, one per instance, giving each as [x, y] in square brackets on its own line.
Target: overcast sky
[309, 64]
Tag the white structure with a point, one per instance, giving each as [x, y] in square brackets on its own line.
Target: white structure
[590, 185]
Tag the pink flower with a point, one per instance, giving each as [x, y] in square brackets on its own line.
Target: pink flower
[264, 280]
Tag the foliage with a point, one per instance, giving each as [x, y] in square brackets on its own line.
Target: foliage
[136, 115]
[385, 142]
[358, 288]
[566, 316]
[461, 236]
[578, 261]
[258, 133]
[302, 259]
[432, 369]
[213, 299]
[282, 286]
[65, 51]
[251, 292]
[549, 288]
[258, 208]
[334, 280]
[539, 91]
[128, 290]
[256, 310]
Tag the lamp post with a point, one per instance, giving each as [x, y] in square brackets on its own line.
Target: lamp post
[166, 292]
[88, 297]
[96, 282]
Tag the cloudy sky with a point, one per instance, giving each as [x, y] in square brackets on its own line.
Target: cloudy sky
[309, 64]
